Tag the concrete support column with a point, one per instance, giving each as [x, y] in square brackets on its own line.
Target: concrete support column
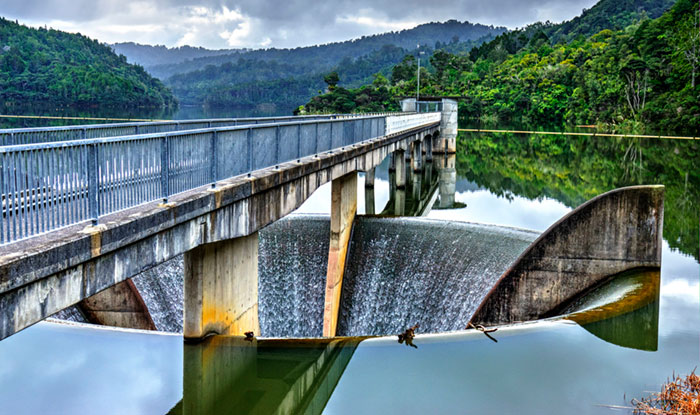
[399, 202]
[400, 168]
[417, 158]
[428, 147]
[392, 164]
[416, 183]
[369, 178]
[343, 209]
[221, 288]
[447, 141]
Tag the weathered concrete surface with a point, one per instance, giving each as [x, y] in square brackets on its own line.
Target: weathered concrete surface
[120, 305]
[446, 142]
[221, 288]
[400, 168]
[417, 157]
[614, 232]
[42, 275]
[343, 209]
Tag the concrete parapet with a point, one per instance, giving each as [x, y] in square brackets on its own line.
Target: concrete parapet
[611, 233]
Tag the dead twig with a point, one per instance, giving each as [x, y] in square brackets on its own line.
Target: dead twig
[483, 330]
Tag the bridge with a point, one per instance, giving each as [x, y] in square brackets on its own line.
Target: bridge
[86, 208]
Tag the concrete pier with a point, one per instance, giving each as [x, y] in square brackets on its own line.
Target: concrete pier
[446, 141]
[221, 288]
[343, 209]
[417, 156]
[400, 168]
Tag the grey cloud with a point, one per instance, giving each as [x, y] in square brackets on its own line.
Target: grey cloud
[287, 23]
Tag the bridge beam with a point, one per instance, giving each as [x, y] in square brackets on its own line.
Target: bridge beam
[221, 288]
[343, 209]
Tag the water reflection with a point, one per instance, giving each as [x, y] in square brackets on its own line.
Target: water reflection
[227, 374]
[623, 311]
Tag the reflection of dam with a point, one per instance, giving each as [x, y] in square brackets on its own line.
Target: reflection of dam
[433, 182]
[623, 311]
[233, 375]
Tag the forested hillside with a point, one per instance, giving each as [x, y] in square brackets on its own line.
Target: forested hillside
[63, 69]
[644, 76]
[288, 77]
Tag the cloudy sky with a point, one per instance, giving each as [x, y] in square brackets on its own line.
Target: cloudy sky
[220, 24]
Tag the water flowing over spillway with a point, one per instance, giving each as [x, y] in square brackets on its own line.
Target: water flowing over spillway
[400, 272]
[433, 273]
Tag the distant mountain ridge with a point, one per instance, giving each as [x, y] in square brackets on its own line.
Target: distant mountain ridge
[148, 55]
[321, 56]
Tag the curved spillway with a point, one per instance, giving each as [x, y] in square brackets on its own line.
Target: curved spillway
[400, 272]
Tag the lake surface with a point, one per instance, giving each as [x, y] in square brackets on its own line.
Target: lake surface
[554, 366]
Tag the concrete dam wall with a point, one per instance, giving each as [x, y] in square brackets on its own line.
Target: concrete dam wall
[437, 274]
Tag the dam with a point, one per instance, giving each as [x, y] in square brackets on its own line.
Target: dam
[389, 285]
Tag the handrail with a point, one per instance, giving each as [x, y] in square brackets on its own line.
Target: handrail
[46, 186]
[17, 136]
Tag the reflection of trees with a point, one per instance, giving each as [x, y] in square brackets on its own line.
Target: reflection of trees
[632, 161]
[573, 169]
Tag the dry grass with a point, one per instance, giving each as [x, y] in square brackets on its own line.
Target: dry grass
[678, 396]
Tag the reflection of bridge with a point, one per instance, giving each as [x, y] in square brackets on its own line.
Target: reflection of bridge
[200, 192]
[225, 374]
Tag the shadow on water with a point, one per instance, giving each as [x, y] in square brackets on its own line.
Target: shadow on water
[224, 374]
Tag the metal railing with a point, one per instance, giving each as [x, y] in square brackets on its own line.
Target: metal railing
[18, 136]
[47, 186]
[428, 106]
[403, 122]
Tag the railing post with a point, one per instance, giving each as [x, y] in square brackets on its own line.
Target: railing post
[165, 166]
[93, 185]
[136, 130]
[299, 143]
[83, 133]
[250, 151]
[214, 161]
[277, 147]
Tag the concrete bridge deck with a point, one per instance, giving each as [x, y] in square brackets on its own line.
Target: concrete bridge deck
[212, 226]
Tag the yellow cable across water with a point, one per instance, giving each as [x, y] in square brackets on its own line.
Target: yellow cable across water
[46, 117]
[478, 130]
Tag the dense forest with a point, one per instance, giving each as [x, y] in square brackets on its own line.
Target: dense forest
[643, 75]
[63, 69]
[257, 77]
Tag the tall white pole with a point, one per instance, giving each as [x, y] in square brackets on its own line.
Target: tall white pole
[418, 84]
